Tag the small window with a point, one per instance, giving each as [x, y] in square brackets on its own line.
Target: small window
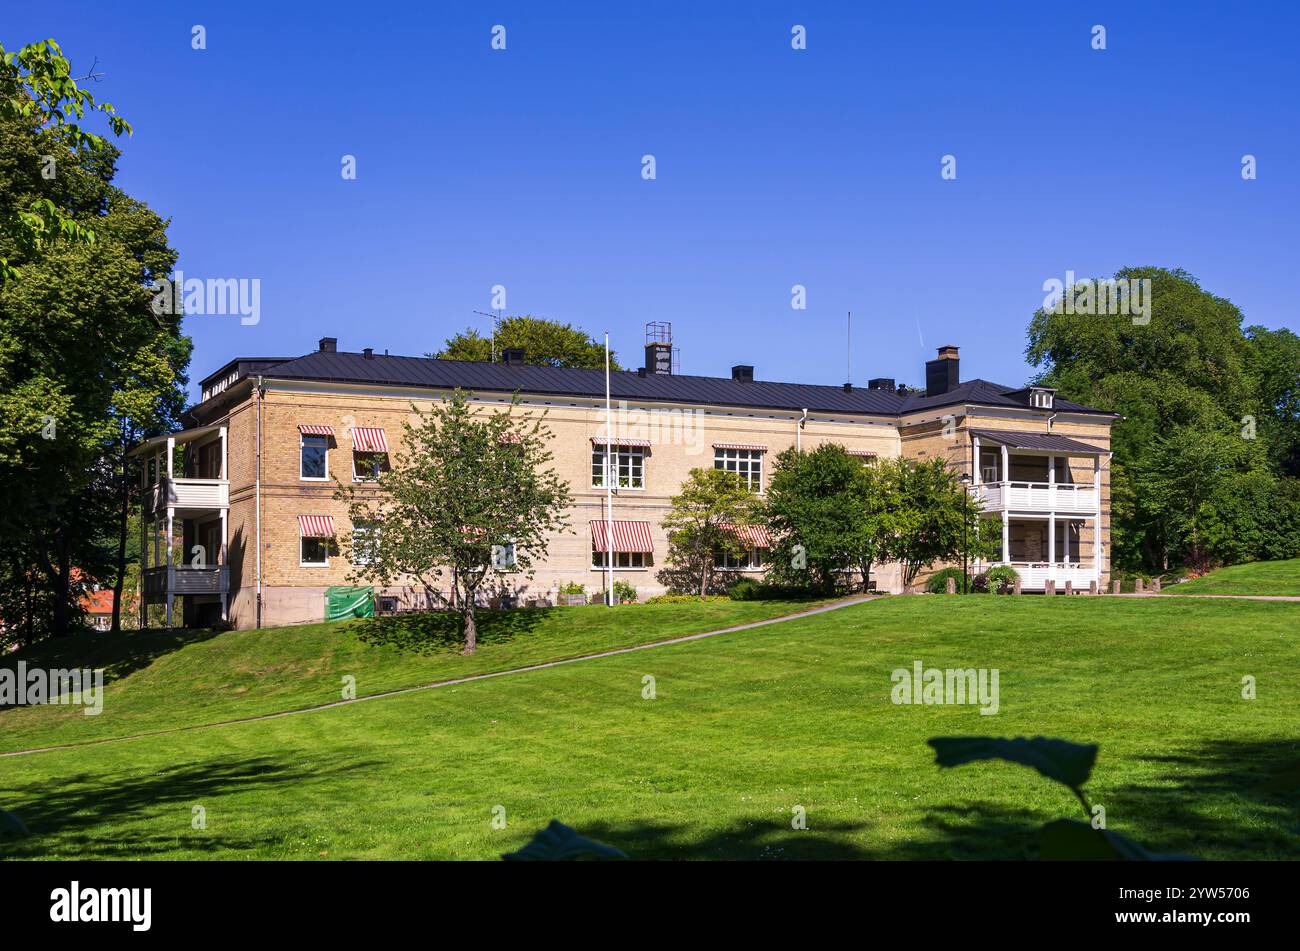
[751, 560]
[503, 556]
[746, 463]
[623, 560]
[365, 543]
[1040, 399]
[368, 466]
[315, 553]
[315, 457]
[629, 461]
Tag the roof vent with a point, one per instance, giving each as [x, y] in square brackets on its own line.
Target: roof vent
[742, 373]
[329, 344]
[881, 383]
[942, 374]
[368, 353]
[513, 356]
[848, 387]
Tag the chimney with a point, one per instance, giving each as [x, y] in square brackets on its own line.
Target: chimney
[941, 373]
[329, 344]
[848, 387]
[742, 373]
[368, 353]
[513, 356]
[881, 383]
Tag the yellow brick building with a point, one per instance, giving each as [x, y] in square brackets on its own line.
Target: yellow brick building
[247, 489]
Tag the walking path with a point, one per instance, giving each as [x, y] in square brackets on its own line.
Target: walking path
[1231, 597]
[459, 680]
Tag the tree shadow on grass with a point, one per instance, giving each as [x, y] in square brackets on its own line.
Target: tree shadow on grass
[94, 815]
[438, 632]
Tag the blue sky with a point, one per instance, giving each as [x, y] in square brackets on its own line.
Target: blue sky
[775, 167]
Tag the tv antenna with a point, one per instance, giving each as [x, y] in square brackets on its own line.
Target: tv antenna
[848, 351]
[496, 322]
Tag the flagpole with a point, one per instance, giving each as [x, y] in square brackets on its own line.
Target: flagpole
[610, 469]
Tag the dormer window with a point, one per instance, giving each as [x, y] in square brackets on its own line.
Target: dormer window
[1041, 397]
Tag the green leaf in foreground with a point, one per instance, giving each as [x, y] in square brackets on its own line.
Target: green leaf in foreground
[1073, 841]
[558, 843]
[1061, 760]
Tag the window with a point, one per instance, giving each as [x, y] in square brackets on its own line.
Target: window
[365, 543]
[629, 560]
[315, 553]
[752, 560]
[746, 463]
[315, 454]
[630, 462]
[503, 556]
[366, 466]
[1040, 399]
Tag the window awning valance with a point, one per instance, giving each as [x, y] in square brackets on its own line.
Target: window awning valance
[865, 453]
[755, 536]
[308, 430]
[628, 536]
[316, 526]
[369, 439]
[750, 447]
[620, 441]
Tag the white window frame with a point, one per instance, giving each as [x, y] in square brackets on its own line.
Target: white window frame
[636, 560]
[635, 462]
[378, 532]
[723, 560]
[513, 564]
[302, 444]
[313, 564]
[1040, 399]
[751, 459]
[356, 477]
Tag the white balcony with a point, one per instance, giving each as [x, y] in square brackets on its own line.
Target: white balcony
[189, 495]
[1035, 575]
[180, 579]
[1038, 497]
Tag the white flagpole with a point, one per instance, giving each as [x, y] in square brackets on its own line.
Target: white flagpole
[610, 469]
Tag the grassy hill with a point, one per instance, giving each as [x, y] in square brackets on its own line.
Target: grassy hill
[165, 680]
[1257, 577]
[743, 728]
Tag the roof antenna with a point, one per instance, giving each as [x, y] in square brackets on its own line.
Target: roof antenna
[848, 351]
[496, 322]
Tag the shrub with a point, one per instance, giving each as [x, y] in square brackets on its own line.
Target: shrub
[746, 589]
[624, 592]
[1001, 579]
[938, 583]
[749, 589]
[684, 598]
[573, 587]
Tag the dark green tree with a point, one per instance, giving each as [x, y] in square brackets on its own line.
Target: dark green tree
[544, 342]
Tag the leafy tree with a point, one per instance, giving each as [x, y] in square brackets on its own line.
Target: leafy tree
[38, 92]
[698, 523]
[829, 512]
[1188, 384]
[544, 342]
[471, 493]
[86, 367]
[928, 508]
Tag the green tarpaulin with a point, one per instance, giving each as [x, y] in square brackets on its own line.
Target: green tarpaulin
[345, 602]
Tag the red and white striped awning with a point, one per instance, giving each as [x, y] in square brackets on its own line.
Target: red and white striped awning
[619, 441]
[315, 430]
[369, 439]
[316, 526]
[755, 536]
[739, 445]
[628, 536]
[866, 453]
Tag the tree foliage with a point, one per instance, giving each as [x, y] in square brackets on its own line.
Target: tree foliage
[544, 342]
[471, 494]
[1210, 419]
[699, 524]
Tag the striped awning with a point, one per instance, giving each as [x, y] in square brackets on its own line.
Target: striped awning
[316, 526]
[867, 453]
[628, 536]
[619, 441]
[369, 439]
[755, 536]
[739, 445]
[315, 430]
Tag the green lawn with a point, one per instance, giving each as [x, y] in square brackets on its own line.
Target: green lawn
[744, 728]
[1257, 577]
[163, 680]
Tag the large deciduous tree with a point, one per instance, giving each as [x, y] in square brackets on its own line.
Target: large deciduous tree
[703, 519]
[544, 342]
[471, 493]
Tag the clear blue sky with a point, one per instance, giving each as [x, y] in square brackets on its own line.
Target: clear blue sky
[775, 167]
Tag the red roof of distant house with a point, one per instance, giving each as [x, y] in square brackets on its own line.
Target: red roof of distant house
[98, 602]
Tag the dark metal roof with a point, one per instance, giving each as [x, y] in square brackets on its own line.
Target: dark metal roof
[1043, 442]
[430, 373]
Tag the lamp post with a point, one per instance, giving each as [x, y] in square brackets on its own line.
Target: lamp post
[965, 548]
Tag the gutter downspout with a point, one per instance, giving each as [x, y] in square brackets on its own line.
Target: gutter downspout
[798, 433]
[1049, 423]
[257, 495]
[610, 470]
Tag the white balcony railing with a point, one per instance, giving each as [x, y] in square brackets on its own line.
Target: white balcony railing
[1035, 574]
[187, 494]
[180, 579]
[1038, 497]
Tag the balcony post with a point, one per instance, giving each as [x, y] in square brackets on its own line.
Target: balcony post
[222, 468]
[171, 571]
[1051, 546]
[222, 565]
[975, 468]
[1006, 466]
[1006, 536]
